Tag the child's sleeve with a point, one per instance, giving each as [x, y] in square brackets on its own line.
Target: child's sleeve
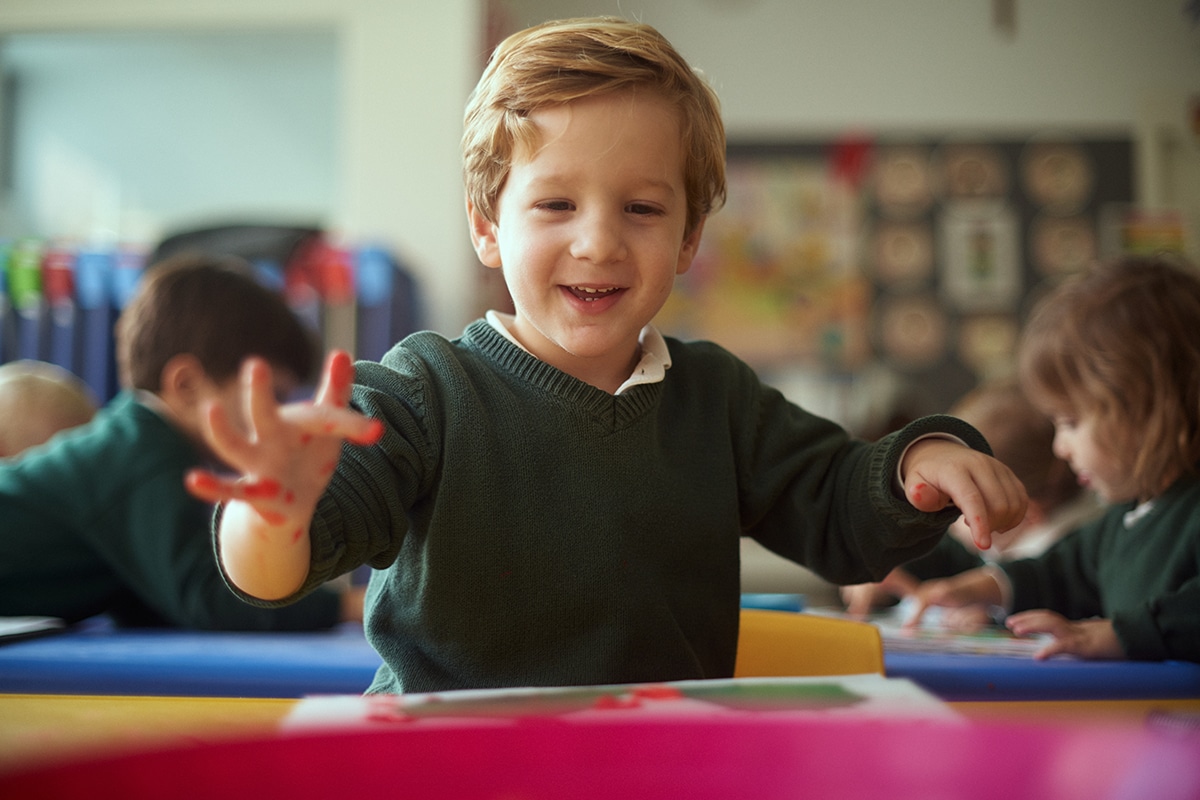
[1164, 627]
[948, 557]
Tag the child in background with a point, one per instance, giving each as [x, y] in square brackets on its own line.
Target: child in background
[98, 520]
[1114, 357]
[556, 497]
[37, 400]
[1023, 438]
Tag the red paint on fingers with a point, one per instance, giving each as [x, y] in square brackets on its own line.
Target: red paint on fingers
[262, 489]
[202, 482]
[341, 375]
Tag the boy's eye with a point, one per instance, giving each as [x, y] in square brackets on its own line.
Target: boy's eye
[555, 205]
[641, 208]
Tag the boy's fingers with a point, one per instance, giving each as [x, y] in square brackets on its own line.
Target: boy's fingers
[925, 496]
[336, 379]
[209, 486]
[216, 488]
[227, 442]
[335, 421]
[258, 394]
[265, 494]
[981, 532]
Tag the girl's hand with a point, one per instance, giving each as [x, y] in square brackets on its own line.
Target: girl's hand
[1089, 638]
[939, 472]
[975, 588]
[861, 598]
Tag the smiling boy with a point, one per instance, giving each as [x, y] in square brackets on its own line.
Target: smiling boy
[557, 496]
[595, 230]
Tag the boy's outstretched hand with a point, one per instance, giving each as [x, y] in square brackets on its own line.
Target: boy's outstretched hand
[284, 459]
[940, 472]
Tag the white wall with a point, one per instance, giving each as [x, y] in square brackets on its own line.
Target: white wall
[126, 136]
[789, 66]
[403, 70]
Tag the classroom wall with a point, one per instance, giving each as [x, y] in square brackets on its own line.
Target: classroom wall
[790, 66]
[128, 135]
[403, 70]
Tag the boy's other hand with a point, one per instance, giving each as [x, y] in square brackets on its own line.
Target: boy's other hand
[939, 472]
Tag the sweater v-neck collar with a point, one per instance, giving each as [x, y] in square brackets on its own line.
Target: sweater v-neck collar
[614, 410]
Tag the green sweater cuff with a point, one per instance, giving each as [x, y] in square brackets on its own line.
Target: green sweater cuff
[1138, 635]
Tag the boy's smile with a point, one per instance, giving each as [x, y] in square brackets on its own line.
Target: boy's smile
[590, 231]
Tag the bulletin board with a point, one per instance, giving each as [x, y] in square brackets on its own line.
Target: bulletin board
[922, 255]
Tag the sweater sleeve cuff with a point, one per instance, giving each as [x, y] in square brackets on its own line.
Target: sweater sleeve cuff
[940, 426]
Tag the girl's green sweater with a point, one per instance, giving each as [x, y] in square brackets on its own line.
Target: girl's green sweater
[1145, 577]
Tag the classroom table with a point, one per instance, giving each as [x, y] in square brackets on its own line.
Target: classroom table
[972, 677]
[96, 658]
[141, 747]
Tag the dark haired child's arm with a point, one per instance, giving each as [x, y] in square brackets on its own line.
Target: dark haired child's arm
[285, 461]
[862, 598]
[948, 557]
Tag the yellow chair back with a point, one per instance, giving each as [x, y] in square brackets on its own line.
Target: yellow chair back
[774, 644]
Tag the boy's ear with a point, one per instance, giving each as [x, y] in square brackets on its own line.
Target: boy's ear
[691, 244]
[483, 237]
[181, 381]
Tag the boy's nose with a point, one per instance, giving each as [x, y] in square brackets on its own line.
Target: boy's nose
[598, 239]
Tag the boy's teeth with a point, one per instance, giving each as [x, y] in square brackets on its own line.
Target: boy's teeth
[586, 293]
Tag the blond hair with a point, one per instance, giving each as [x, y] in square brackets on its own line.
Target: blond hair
[557, 62]
[1122, 341]
[37, 400]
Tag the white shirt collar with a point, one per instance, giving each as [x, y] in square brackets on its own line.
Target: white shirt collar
[1133, 517]
[652, 367]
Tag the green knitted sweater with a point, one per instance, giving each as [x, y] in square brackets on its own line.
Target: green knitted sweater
[1144, 576]
[530, 529]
